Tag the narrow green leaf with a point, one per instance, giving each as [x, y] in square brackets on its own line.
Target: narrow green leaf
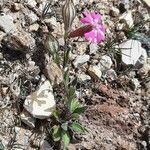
[72, 93]
[77, 127]
[79, 110]
[56, 133]
[66, 77]
[56, 115]
[74, 105]
[66, 139]
[74, 81]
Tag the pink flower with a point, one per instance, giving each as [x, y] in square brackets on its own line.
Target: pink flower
[93, 30]
[97, 34]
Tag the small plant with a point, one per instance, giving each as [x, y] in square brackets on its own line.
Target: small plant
[65, 120]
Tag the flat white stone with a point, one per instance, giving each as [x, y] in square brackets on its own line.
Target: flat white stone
[81, 59]
[132, 52]
[41, 103]
[6, 23]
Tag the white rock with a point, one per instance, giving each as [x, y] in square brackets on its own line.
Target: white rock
[32, 18]
[84, 77]
[81, 59]
[95, 72]
[93, 48]
[31, 3]
[6, 23]
[41, 103]
[105, 63]
[34, 27]
[127, 17]
[131, 51]
[27, 119]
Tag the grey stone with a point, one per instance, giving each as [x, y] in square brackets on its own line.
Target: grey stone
[105, 63]
[6, 23]
[81, 59]
[84, 77]
[93, 48]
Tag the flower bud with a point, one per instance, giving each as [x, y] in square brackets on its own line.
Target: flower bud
[68, 13]
[51, 44]
[80, 31]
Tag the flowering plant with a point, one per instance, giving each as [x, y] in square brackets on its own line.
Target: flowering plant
[93, 29]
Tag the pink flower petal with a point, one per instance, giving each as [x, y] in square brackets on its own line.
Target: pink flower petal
[91, 36]
[96, 17]
[100, 33]
[100, 36]
[87, 19]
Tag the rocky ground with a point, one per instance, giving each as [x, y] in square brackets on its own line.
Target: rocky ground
[113, 77]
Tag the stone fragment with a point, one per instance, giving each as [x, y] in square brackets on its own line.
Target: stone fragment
[81, 59]
[105, 63]
[84, 77]
[34, 27]
[6, 23]
[41, 103]
[53, 73]
[27, 119]
[135, 83]
[95, 72]
[22, 138]
[114, 12]
[32, 18]
[51, 21]
[93, 48]
[131, 51]
[127, 18]
[16, 6]
[110, 75]
[31, 3]
[20, 41]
